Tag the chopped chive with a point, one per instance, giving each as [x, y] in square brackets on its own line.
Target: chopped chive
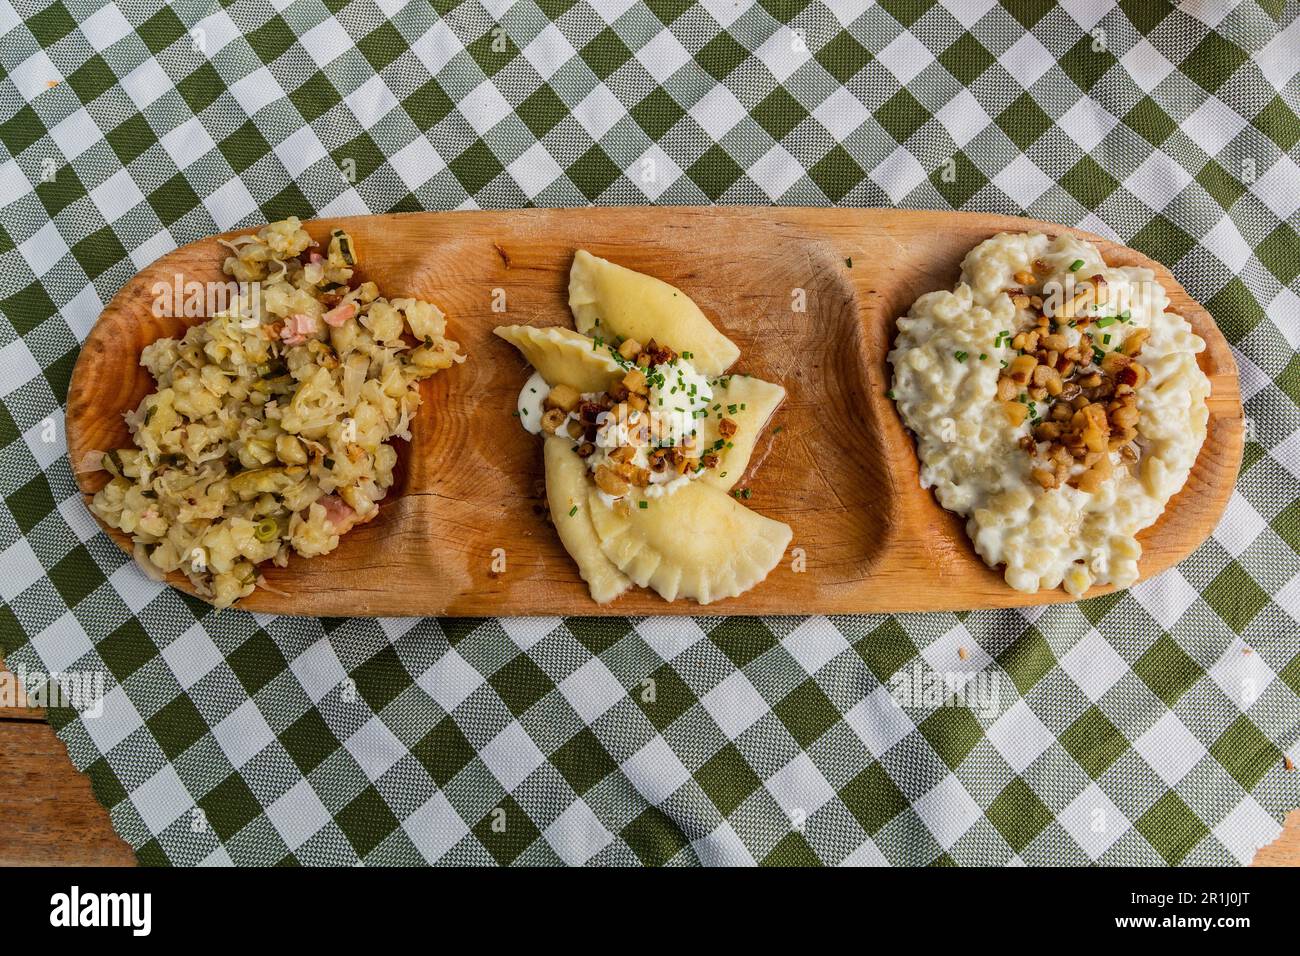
[643, 504]
[984, 356]
[1076, 265]
[960, 356]
[849, 262]
[1106, 322]
[573, 511]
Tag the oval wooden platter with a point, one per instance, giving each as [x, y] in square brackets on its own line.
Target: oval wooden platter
[464, 530]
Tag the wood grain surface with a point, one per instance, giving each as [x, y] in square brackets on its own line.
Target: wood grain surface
[49, 816]
[842, 471]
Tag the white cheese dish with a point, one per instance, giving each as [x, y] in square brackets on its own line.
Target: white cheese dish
[1055, 490]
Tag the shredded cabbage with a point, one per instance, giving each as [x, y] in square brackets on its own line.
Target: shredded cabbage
[252, 447]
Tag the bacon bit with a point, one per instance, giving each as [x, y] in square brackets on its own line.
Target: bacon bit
[341, 313]
[338, 513]
[297, 327]
[963, 653]
[1287, 762]
[659, 354]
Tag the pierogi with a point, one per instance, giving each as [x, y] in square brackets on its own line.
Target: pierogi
[646, 438]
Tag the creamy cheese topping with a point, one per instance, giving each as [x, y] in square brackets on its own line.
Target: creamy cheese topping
[529, 405]
[679, 398]
[947, 358]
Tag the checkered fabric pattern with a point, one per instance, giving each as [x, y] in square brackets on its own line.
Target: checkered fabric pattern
[1145, 727]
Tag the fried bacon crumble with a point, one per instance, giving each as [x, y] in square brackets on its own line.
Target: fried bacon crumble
[1081, 402]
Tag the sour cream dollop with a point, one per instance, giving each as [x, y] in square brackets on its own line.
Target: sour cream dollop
[529, 405]
[678, 399]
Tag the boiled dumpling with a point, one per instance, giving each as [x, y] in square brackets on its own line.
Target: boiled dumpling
[563, 356]
[698, 542]
[567, 489]
[611, 301]
[760, 399]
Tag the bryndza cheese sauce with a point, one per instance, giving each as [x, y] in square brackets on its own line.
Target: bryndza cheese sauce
[947, 359]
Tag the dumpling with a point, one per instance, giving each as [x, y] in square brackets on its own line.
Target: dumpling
[614, 301]
[698, 542]
[760, 399]
[563, 356]
[567, 490]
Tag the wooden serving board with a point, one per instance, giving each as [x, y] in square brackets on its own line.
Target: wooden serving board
[841, 470]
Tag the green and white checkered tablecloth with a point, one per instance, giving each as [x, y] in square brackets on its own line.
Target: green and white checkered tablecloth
[1144, 727]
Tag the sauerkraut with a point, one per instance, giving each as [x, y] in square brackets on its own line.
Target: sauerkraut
[269, 430]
